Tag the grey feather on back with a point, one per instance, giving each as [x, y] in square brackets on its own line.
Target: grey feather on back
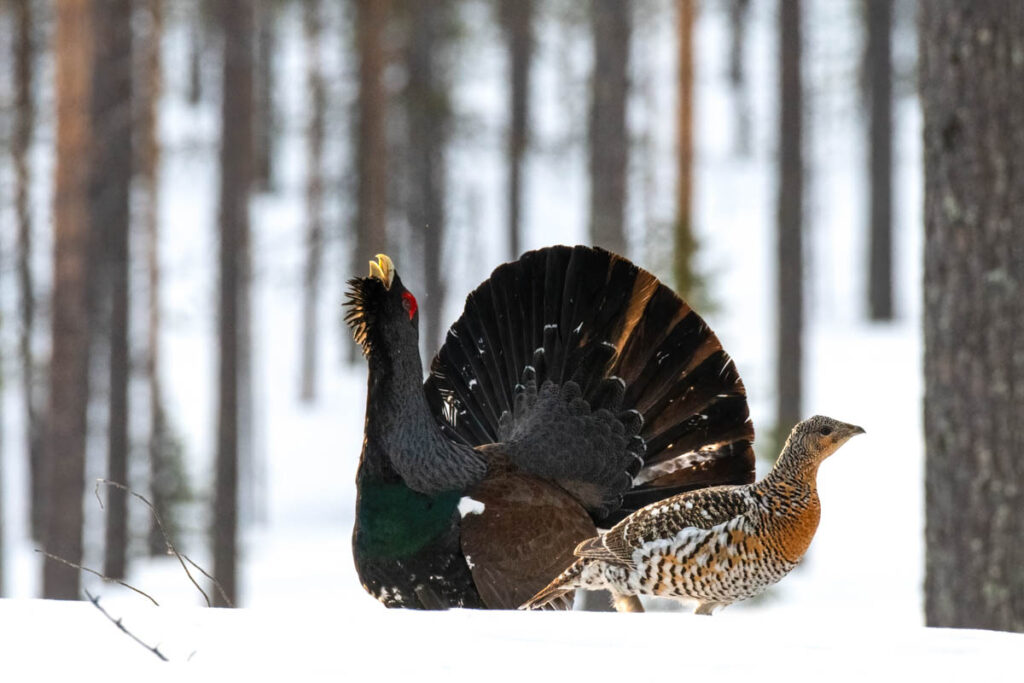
[553, 433]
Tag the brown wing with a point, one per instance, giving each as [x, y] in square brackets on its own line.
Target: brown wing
[523, 538]
[701, 509]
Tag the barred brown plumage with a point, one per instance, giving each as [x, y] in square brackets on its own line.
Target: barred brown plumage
[714, 546]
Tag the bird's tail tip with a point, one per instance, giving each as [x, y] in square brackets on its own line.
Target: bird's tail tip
[562, 586]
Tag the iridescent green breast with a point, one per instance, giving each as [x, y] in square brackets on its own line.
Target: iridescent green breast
[393, 521]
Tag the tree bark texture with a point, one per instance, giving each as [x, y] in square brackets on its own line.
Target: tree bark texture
[162, 478]
[24, 125]
[608, 137]
[69, 365]
[739, 14]
[111, 187]
[879, 63]
[517, 20]
[236, 174]
[428, 116]
[264, 119]
[789, 245]
[685, 247]
[317, 87]
[370, 134]
[250, 505]
[196, 50]
[971, 69]
[3, 519]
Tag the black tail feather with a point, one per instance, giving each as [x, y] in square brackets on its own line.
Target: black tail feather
[642, 362]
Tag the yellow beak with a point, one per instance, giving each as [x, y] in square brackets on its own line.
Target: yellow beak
[383, 269]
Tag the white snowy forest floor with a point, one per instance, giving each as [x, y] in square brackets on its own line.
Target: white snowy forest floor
[852, 610]
[64, 641]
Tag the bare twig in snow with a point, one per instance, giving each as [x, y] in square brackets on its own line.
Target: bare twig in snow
[95, 600]
[69, 563]
[182, 558]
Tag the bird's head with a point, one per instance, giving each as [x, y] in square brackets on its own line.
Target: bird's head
[380, 310]
[819, 437]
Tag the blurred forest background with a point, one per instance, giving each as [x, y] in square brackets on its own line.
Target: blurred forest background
[165, 161]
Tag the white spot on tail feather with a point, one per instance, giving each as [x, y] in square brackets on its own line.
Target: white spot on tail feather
[470, 506]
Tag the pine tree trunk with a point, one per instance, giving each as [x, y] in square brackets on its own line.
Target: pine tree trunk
[314, 199]
[970, 75]
[879, 63]
[739, 12]
[248, 468]
[196, 40]
[790, 226]
[24, 125]
[428, 114]
[3, 519]
[151, 87]
[111, 186]
[517, 18]
[685, 247]
[263, 99]
[236, 175]
[69, 366]
[608, 139]
[370, 135]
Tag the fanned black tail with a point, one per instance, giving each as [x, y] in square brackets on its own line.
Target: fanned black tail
[655, 404]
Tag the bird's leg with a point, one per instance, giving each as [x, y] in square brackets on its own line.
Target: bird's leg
[707, 608]
[627, 603]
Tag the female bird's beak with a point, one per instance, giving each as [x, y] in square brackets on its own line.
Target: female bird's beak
[383, 269]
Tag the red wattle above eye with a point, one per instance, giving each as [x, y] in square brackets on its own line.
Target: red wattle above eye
[410, 303]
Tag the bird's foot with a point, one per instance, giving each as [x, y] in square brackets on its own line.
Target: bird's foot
[707, 608]
[627, 603]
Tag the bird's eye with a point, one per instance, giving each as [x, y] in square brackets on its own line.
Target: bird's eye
[409, 304]
[825, 431]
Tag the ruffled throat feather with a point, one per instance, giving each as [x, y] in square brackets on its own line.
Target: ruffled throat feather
[357, 316]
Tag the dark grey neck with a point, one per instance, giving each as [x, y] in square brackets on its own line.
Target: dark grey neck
[401, 429]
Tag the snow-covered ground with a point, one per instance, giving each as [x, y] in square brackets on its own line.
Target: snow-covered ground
[853, 609]
[330, 641]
